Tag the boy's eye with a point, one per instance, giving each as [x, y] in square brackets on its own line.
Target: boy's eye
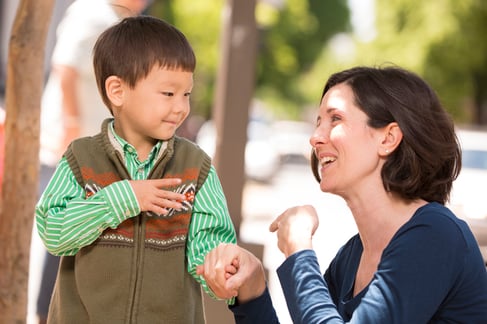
[187, 94]
[169, 94]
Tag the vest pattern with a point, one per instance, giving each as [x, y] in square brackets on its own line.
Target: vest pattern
[161, 231]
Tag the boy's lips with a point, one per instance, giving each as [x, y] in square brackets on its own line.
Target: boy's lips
[175, 123]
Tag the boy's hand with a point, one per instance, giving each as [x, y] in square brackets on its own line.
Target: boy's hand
[230, 271]
[153, 196]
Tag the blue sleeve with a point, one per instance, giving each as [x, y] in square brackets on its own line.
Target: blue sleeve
[256, 311]
[306, 292]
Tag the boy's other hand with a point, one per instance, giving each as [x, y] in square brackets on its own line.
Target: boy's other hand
[230, 271]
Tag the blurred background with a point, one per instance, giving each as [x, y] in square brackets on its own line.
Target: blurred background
[299, 44]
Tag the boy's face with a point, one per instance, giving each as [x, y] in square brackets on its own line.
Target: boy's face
[155, 107]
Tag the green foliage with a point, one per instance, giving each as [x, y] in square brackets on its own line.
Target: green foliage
[456, 65]
[290, 45]
[442, 40]
[422, 35]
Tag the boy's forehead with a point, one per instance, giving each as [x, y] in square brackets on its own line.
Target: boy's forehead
[170, 75]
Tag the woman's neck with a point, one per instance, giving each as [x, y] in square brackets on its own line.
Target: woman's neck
[379, 218]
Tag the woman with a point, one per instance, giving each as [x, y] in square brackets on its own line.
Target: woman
[384, 143]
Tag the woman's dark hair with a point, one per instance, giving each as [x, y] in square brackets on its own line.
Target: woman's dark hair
[131, 48]
[428, 158]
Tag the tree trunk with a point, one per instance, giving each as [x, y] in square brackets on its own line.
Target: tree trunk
[480, 98]
[19, 193]
[233, 98]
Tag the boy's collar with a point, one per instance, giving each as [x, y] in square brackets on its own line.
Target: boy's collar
[123, 146]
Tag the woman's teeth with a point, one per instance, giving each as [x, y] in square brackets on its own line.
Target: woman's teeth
[327, 159]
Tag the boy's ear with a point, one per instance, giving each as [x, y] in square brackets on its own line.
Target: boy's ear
[392, 137]
[114, 89]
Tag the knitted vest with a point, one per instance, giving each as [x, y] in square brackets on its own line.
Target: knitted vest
[136, 273]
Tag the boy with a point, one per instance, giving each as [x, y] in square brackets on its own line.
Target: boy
[71, 106]
[134, 209]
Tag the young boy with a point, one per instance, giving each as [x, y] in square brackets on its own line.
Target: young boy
[134, 209]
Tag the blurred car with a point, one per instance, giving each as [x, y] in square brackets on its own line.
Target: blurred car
[261, 158]
[291, 139]
[469, 193]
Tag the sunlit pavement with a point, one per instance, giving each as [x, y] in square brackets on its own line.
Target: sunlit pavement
[37, 252]
[293, 185]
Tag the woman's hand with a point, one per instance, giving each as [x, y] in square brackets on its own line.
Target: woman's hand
[295, 228]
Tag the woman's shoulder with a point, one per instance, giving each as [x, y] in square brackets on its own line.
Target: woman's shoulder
[439, 218]
[436, 224]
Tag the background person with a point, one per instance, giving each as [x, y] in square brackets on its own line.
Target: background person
[383, 143]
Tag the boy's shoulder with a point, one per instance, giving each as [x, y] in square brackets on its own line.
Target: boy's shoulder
[184, 143]
[86, 143]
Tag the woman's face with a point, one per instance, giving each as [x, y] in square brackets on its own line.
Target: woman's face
[346, 147]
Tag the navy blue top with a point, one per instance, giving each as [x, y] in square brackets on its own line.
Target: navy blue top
[431, 272]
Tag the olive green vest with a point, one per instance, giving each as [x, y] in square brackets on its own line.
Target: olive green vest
[136, 273]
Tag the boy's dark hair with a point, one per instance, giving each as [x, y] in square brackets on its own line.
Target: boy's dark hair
[131, 48]
[428, 159]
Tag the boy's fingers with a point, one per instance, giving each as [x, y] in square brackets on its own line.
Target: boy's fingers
[162, 183]
[231, 269]
[200, 270]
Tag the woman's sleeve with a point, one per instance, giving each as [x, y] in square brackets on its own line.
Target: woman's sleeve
[307, 296]
[256, 311]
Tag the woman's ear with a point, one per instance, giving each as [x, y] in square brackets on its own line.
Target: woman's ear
[114, 89]
[392, 137]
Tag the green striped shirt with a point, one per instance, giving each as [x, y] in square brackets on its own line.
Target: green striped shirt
[67, 221]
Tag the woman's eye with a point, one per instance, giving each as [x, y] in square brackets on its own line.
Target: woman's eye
[318, 121]
[335, 118]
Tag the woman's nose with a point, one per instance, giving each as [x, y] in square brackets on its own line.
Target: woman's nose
[319, 136]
